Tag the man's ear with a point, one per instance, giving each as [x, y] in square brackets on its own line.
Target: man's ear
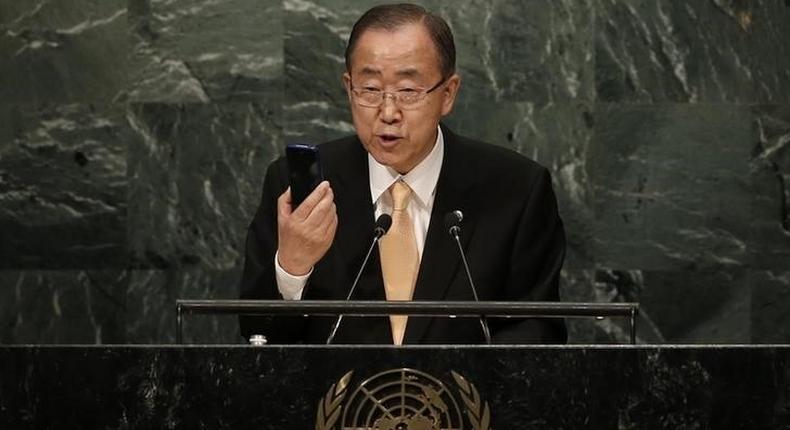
[346, 78]
[450, 92]
[347, 81]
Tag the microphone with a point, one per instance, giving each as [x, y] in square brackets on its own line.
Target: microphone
[383, 224]
[452, 223]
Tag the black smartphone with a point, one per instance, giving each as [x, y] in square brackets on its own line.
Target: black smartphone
[304, 169]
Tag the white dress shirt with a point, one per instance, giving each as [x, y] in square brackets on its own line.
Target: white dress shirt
[421, 179]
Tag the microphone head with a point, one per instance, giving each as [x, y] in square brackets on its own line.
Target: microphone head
[383, 224]
[453, 219]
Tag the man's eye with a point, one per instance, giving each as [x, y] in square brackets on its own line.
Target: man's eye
[372, 90]
[407, 90]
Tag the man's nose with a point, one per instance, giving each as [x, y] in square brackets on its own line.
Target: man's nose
[389, 111]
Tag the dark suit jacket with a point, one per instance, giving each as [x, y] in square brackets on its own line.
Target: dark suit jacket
[511, 232]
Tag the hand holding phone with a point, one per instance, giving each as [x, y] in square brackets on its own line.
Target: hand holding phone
[307, 215]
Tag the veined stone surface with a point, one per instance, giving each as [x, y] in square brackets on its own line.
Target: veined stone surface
[692, 51]
[135, 135]
[63, 51]
[72, 307]
[206, 51]
[769, 170]
[671, 186]
[195, 175]
[62, 186]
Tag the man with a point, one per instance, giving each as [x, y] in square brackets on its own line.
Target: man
[400, 79]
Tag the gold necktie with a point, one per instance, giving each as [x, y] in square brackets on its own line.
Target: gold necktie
[399, 258]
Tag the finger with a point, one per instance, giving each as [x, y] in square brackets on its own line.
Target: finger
[304, 209]
[284, 203]
[321, 212]
[321, 216]
[331, 225]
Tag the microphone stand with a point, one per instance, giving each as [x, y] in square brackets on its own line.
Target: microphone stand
[454, 232]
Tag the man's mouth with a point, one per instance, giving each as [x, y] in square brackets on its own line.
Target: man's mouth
[388, 138]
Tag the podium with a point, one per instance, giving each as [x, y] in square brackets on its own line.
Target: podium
[386, 387]
[282, 387]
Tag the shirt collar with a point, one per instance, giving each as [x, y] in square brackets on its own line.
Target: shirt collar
[421, 179]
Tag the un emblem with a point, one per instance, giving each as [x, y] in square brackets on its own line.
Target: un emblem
[401, 399]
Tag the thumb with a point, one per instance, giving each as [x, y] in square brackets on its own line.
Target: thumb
[284, 203]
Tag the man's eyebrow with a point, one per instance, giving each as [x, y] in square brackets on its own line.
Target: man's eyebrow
[408, 72]
[368, 70]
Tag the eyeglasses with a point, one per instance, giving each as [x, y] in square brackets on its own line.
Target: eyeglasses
[405, 99]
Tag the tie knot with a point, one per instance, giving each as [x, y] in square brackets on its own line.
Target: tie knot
[400, 192]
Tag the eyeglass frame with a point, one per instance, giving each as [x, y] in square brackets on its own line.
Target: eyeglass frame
[395, 99]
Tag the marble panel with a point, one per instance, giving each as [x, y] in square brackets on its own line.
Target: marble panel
[113, 307]
[62, 186]
[770, 321]
[698, 307]
[63, 51]
[62, 307]
[671, 187]
[195, 175]
[770, 185]
[537, 51]
[674, 307]
[606, 286]
[692, 51]
[206, 50]
[151, 306]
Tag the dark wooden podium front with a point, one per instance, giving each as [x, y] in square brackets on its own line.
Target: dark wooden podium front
[281, 387]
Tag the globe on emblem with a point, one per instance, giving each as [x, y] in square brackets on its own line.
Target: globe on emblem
[402, 399]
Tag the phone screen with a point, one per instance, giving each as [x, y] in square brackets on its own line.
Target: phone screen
[304, 168]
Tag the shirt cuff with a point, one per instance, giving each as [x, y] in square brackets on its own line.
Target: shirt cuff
[290, 286]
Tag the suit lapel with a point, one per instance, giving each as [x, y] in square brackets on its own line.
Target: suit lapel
[440, 259]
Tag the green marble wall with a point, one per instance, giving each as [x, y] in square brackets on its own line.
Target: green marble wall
[134, 136]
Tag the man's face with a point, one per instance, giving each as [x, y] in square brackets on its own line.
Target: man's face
[401, 60]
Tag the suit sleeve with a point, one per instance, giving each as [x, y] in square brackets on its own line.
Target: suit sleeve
[535, 263]
[259, 280]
